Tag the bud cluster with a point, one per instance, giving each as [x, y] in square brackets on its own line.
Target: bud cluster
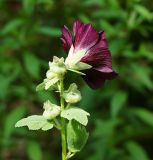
[56, 71]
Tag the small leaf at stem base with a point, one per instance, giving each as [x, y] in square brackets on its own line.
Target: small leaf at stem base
[76, 136]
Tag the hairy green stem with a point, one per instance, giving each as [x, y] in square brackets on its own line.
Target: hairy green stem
[63, 125]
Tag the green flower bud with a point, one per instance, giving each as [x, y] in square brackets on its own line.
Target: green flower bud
[56, 71]
[51, 110]
[50, 74]
[57, 66]
[72, 95]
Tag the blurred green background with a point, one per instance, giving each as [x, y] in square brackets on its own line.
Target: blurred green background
[121, 121]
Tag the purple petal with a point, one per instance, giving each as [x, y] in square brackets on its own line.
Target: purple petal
[99, 56]
[85, 36]
[96, 79]
[66, 38]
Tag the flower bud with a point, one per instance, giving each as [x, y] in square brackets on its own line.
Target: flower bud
[51, 110]
[56, 71]
[72, 95]
[50, 74]
[57, 66]
[50, 83]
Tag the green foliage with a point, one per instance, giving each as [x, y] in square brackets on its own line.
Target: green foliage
[49, 31]
[136, 151]
[34, 151]
[76, 136]
[34, 68]
[11, 119]
[118, 101]
[12, 26]
[145, 115]
[35, 122]
[77, 114]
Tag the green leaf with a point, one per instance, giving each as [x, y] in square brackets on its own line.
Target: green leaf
[84, 18]
[145, 115]
[106, 128]
[35, 122]
[88, 99]
[136, 151]
[54, 32]
[34, 151]
[12, 118]
[28, 6]
[32, 64]
[144, 12]
[12, 25]
[142, 74]
[118, 102]
[47, 126]
[77, 114]
[76, 136]
[4, 85]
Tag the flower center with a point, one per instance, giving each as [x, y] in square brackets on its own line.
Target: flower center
[74, 57]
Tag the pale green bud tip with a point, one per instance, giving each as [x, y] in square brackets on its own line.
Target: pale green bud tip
[72, 95]
[51, 110]
[57, 66]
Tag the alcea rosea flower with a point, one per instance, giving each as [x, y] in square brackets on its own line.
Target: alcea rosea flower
[88, 55]
[88, 51]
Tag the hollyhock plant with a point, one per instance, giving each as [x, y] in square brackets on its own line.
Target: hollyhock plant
[88, 51]
[88, 55]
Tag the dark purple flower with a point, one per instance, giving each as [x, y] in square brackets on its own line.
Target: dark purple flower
[88, 46]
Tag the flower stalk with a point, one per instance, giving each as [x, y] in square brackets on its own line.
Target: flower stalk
[63, 125]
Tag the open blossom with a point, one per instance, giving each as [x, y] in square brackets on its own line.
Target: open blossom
[88, 51]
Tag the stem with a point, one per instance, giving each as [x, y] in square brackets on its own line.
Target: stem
[63, 126]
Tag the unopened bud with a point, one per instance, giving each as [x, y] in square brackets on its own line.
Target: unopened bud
[57, 66]
[56, 71]
[72, 95]
[51, 110]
